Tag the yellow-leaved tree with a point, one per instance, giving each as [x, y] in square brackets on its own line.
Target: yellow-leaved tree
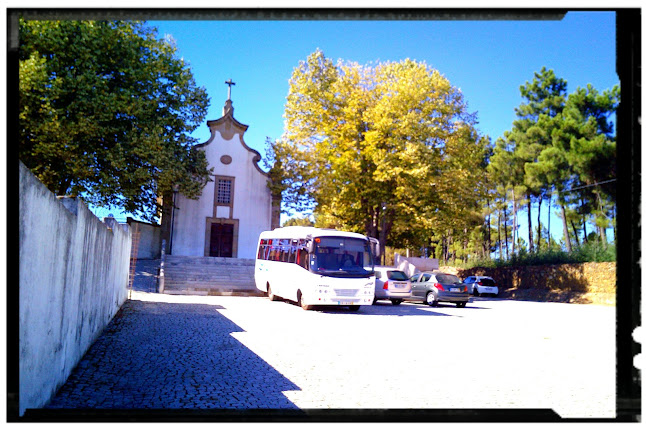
[388, 150]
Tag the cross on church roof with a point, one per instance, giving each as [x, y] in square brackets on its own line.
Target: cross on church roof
[230, 83]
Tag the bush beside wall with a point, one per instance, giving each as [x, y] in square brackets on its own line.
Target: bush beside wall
[590, 282]
[73, 278]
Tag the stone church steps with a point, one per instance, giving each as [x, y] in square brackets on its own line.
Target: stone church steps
[188, 275]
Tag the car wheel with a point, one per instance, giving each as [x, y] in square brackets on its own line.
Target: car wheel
[461, 304]
[475, 291]
[354, 307]
[396, 301]
[431, 299]
[300, 302]
[270, 294]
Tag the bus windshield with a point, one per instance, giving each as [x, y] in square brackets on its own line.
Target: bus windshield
[342, 257]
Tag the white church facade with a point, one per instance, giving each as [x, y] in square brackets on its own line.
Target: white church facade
[234, 208]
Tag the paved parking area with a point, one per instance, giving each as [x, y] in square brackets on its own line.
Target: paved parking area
[188, 352]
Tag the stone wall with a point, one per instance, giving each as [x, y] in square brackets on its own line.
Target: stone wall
[149, 241]
[73, 278]
[591, 282]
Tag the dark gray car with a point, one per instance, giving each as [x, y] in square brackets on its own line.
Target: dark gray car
[432, 287]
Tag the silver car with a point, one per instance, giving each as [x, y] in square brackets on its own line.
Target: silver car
[432, 287]
[392, 284]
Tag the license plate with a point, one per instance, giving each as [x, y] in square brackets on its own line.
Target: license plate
[400, 285]
[345, 302]
[456, 289]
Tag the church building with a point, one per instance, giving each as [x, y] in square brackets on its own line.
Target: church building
[233, 209]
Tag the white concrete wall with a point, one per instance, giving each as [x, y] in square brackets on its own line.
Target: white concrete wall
[411, 265]
[251, 201]
[73, 280]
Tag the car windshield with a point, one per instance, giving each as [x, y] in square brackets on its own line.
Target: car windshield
[448, 279]
[397, 275]
[342, 257]
[487, 282]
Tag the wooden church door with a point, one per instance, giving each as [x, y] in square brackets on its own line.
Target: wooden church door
[221, 240]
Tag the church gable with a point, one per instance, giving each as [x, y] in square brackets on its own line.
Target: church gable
[228, 127]
[235, 207]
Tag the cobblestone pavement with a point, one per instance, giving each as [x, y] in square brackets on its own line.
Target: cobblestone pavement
[217, 352]
[146, 275]
[172, 355]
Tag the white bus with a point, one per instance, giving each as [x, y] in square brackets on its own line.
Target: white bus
[313, 266]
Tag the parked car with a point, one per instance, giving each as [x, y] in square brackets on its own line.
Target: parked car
[432, 287]
[392, 284]
[479, 285]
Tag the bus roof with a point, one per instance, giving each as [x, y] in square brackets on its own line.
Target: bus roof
[304, 231]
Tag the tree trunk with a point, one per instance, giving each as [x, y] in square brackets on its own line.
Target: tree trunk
[370, 223]
[538, 232]
[583, 222]
[62, 188]
[614, 225]
[506, 236]
[602, 231]
[444, 249]
[465, 244]
[499, 243]
[529, 223]
[549, 222]
[566, 234]
[386, 225]
[602, 236]
[488, 252]
[576, 233]
[514, 222]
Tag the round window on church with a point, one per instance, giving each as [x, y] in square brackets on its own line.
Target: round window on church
[225, 159]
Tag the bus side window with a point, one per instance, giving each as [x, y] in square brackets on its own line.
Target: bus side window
[302, 258]
[293, 249]
[262, 249]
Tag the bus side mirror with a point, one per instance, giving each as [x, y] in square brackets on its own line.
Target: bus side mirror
[375, 246]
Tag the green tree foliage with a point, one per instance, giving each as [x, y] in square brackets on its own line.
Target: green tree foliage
[299, 221]
[105, 113]
[562, 145]
[388, 150]
[586, 142]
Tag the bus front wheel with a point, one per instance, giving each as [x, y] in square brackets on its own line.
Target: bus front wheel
[270, 294]
[301, 304]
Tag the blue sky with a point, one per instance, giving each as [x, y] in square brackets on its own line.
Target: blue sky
[487, 60]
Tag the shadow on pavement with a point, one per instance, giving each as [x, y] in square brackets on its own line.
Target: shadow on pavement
[146, 275]
[170, 356]
[384, 308]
